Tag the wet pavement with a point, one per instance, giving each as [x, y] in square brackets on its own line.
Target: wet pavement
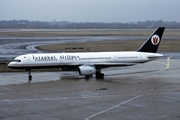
[11, 47]
[147, 91]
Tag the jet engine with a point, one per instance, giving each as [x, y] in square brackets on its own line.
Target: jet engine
[86, 70]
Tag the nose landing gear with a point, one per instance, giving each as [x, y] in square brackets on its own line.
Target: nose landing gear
[29, 75]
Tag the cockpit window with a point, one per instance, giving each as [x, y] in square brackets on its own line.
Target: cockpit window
[16, 60]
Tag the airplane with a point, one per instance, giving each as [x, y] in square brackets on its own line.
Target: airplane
[90, 63]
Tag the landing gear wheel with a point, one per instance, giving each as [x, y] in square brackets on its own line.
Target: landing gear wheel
[29, 76]
[99, 76]
[87, 77]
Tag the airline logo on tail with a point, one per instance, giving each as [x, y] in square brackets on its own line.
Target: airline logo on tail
[155, 39]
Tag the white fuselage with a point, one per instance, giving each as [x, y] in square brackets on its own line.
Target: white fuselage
[101, 59]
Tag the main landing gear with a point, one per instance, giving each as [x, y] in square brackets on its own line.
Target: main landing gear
[99, 75]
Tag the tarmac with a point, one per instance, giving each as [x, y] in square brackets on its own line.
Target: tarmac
[149, 91]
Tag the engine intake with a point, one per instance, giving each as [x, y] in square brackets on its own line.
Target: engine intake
[86, 70]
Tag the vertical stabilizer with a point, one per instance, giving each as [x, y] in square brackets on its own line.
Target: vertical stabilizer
[152, 43]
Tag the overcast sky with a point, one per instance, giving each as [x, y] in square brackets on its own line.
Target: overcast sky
[90, 10]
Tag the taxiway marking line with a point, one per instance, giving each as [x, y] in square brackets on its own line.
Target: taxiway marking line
[113, 107]
[175, 61]
[167, 65]
[127, 102]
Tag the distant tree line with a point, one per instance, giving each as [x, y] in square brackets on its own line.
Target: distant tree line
[87, 25]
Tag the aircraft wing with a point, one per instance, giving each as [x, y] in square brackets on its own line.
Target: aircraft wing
[105, 65]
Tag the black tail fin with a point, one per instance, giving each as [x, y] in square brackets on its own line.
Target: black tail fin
[152, 43]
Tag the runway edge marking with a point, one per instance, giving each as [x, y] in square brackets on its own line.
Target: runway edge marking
[114, 107]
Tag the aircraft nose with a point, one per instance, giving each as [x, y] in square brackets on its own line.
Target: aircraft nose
[10, 65]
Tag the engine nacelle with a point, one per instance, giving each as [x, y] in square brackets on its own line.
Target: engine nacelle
[86, 70]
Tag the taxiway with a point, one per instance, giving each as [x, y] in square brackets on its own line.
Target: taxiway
[147, 91]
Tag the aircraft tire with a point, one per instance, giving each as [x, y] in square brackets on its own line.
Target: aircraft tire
[99, 76]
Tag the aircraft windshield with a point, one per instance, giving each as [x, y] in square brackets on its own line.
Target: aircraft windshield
[16, 60]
